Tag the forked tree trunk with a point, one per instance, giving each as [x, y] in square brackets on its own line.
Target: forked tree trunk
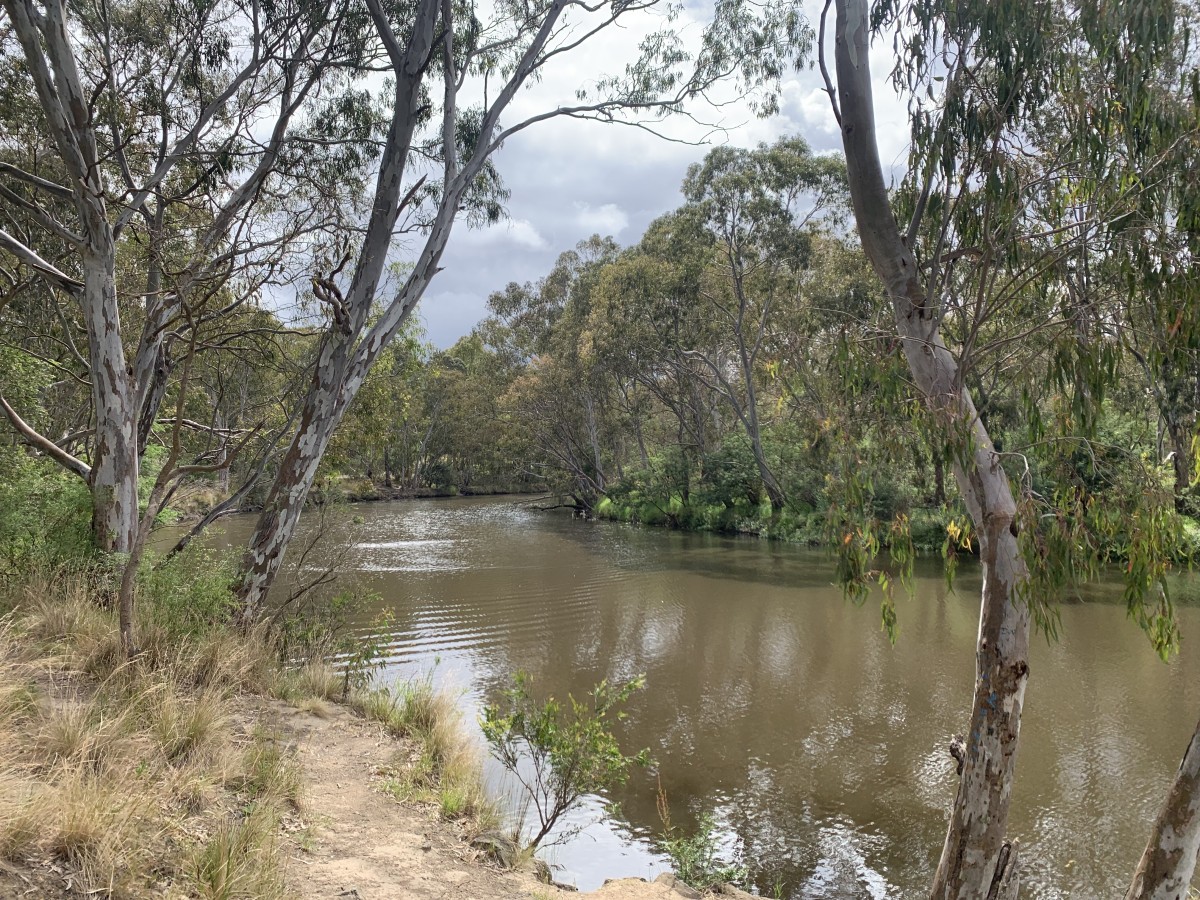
[46, 43]
[977, 861]
[1166, 868]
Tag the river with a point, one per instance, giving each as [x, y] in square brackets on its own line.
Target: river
[777, 706]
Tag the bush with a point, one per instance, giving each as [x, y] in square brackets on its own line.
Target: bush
[695, 858]
[731, 474]
[45, 517]
[560, 754]
[189, 593]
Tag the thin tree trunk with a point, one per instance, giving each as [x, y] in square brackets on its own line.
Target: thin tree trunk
[1169, 862]
[977, 861]
[939, 479]
[774, 491]
[159, 374]
[323, 408]
[46, 44]
[594, 442]
[1180, 460]
[754, 430]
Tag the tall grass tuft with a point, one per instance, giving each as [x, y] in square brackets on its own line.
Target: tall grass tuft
[121, 771]
[241, 861]
[442, 766]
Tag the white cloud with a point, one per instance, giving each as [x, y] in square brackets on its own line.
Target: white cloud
[606, 220]
[570, 178]
[815, 109]
[521, 232]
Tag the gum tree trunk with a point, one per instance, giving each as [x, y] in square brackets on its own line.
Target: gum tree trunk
[114, 475]
[352, 346]
[977, 861]
[1166, 868]
[112, 478]
[323, 409]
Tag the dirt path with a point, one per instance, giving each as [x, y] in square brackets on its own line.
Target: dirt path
[362, 845]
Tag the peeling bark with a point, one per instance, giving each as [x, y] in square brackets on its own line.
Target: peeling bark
[351, 346]
[114, 475]
[976, 861]
[46, 43]
[285, 501]
[1169, 861]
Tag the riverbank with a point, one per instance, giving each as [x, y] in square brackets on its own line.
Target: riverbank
[927, 526]
[203, 768]
[369, 847]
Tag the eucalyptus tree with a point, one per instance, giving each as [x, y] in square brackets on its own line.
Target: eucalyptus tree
[648, 326]
[565, 391]
[163, 130]
[475, 438]
[382, 415]
[457, 69]
[994, 219]
[760, 208]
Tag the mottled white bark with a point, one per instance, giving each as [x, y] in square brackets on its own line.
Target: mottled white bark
[126, 397]
[977, 861]
[1166, 868]
[112, 477]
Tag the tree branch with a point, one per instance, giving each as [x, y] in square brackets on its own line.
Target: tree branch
[47, 446]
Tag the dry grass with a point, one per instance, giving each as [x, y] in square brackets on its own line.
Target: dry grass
[241, 860]
[92, 823]
[315, 706]
[123, 776]
[185, 723]
[441, 766]
[315, 678]
[127, 778]
[269, 773]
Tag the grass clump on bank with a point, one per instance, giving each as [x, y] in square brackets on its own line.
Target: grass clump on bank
[438, 765]
[155, 776]
[128, 777]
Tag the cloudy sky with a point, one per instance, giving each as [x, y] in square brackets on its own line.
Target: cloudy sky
[570, 179]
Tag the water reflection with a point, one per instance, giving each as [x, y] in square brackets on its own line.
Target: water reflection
[777, 706]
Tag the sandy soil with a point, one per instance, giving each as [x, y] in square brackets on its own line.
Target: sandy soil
[360, 844]
[350, 841]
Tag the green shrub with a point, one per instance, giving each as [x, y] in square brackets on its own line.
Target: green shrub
[695, 858]
[45, 516]
[189, 593]
[731, 474]
[558, 754]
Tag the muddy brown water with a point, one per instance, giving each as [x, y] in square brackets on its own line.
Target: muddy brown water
[776, 706]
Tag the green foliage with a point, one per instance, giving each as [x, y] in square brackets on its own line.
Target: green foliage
[557, 752]
[315, 627]
[190, 593]
[365, 654]
[731, 475]
[696, 858]
[45, 516]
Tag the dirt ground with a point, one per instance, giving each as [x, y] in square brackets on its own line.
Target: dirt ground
[351, 841]
[360, 844]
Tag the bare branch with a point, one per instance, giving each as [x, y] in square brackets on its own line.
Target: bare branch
[48, 271]
[47, 446]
